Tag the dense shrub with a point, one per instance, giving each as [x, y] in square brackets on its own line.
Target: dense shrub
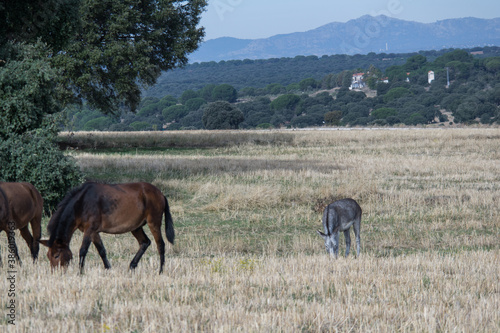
[33, 157]
[333, 117]
[383, 113]
[174, 112]
[221, 115]
[141, 126]
[395, 93]
[288, 101]
[98, 124]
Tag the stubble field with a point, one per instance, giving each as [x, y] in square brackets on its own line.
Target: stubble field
[247, 258]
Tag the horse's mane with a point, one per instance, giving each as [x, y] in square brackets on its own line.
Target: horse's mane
[60, 223]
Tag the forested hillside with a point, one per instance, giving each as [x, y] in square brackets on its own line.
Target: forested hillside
[396, 94]
[259, 73]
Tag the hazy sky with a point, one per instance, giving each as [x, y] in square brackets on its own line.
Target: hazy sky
[264, 18]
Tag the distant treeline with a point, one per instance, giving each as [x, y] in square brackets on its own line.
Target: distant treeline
[260, 73]
[397, 94]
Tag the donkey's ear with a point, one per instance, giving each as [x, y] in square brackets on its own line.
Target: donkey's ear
[321, 234]
[44, 242]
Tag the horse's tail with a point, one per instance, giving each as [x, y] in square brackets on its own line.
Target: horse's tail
[4, 207]
[169, 224]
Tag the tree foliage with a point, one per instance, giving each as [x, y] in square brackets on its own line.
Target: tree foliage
[57, 52]
[123, 45]
[97, 124]
[194, 104]
[395, 93]
[383, 113]
[174, 112]
[221, 115]
[333, 117]
[407, 99]
[187, 95]
[52, 22]
[493, 64]
[32, 157]
[287, 101]
[224, 92]
[28, 90]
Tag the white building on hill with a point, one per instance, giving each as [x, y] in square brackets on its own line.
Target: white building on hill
[357, 81]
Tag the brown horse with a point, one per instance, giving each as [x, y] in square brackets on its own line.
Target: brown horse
[21, 204]
[114, 209]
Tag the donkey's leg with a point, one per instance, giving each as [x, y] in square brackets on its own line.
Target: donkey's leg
[347, 236]
[336, 249]
[160, 244]
[357, 232]
[29, 240]
[96, 239]
[84, 249]
[144, 243]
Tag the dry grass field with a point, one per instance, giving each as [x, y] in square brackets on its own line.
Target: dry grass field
[246, 206]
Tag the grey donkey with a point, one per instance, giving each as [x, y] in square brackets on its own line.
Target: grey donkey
[338, 216]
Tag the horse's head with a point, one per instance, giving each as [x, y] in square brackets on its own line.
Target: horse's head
[331, 244]
[59, 254]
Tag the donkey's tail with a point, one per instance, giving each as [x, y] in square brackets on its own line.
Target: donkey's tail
[169, 224]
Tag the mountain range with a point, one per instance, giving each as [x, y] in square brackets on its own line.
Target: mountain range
[380, 34]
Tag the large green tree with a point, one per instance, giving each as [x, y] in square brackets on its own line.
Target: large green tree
[123, 45]
[107, 50]
[57, 52]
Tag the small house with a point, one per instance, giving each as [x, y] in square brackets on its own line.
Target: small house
[357, 81]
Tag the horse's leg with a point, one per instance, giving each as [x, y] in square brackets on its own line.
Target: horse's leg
[357, 231]
[25, 232]
[13, 246]
[160, 244]
[96, 239]
[84, 249]
[144, 243]
[347, 242]
[36, 229]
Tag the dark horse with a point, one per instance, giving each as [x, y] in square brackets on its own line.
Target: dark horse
[21, 204]
[114, 209]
